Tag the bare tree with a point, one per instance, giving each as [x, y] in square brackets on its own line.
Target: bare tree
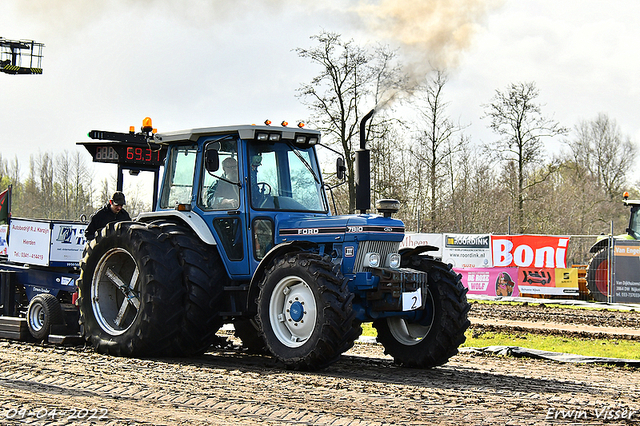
[517, 118]
[30, 199]
[105, 192]
[437, 142]
[604, 152]
[82, 186]
[45, 185]
[63, 174]
[350, 77]
[73, 184]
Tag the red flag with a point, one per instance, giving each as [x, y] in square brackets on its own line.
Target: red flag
[5, 205]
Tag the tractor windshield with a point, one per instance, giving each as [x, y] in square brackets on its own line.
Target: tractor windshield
[285, 177]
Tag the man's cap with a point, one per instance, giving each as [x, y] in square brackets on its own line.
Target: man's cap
[118, 198]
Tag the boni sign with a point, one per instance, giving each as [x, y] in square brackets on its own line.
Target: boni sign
[529, 251]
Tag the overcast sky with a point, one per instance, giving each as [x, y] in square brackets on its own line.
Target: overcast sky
[108, 64]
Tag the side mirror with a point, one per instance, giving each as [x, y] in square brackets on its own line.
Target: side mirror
[341, 169]
[211, 160]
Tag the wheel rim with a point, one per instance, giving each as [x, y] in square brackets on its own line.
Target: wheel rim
[292, 311]
[411, 333]
[114, 291]
[36, 317]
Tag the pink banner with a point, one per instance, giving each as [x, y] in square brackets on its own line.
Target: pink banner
[490, 281]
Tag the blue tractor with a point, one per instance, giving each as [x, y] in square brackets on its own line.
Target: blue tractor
[242, 233]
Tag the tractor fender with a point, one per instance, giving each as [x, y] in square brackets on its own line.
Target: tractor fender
[411, 251]
[274, 253]
[192, 220]
[603, 241]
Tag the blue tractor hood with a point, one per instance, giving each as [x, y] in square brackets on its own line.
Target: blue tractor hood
[335, 229]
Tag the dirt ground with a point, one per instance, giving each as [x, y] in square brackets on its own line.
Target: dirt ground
[536, 312]
[543, 319]
[47, 385]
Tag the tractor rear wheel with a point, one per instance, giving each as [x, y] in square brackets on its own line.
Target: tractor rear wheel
[598, 276]
[305, 311]
[203, 280]
[43, 312]
[130, 292]
[435, 337]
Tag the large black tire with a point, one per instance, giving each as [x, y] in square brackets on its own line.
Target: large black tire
[598, 276]
[44, 311]
[204, 278]
[130, 292]
[305, 311]
[251, 339]
[436, 336]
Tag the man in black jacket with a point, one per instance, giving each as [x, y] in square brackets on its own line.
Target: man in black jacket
[113, 211]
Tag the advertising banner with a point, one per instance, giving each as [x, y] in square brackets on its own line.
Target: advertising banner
[529, 251]
[29, 242]
[467, 250]
[3, 240]
[561, 281]
[490, 281]
[626, 272]
[67, 244]
[423, 239]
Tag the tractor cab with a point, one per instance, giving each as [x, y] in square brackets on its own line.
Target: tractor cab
[241, 185]
[634, 220]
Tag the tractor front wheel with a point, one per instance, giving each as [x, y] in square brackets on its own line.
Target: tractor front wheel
[433, 338]
[305, 311]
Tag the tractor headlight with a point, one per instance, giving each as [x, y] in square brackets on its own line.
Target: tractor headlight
[372, 260]
[393, 260]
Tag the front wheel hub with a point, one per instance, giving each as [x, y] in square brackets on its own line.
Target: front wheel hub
[296, 311]
[292, 311]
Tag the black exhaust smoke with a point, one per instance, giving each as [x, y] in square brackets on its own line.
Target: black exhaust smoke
[363, 169]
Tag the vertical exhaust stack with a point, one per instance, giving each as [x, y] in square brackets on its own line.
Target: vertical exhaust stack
[363, 169]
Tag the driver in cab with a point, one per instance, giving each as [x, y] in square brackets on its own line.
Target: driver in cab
[224, 193]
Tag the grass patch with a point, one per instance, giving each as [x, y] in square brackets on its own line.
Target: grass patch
[626, 349]
[368, 330]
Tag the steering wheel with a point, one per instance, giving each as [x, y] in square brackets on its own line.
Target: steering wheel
[262, 186]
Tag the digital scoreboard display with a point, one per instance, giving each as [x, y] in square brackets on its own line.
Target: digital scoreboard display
[131, 155]
[125, 149]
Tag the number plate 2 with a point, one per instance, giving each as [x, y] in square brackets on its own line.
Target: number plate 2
[412, 300]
